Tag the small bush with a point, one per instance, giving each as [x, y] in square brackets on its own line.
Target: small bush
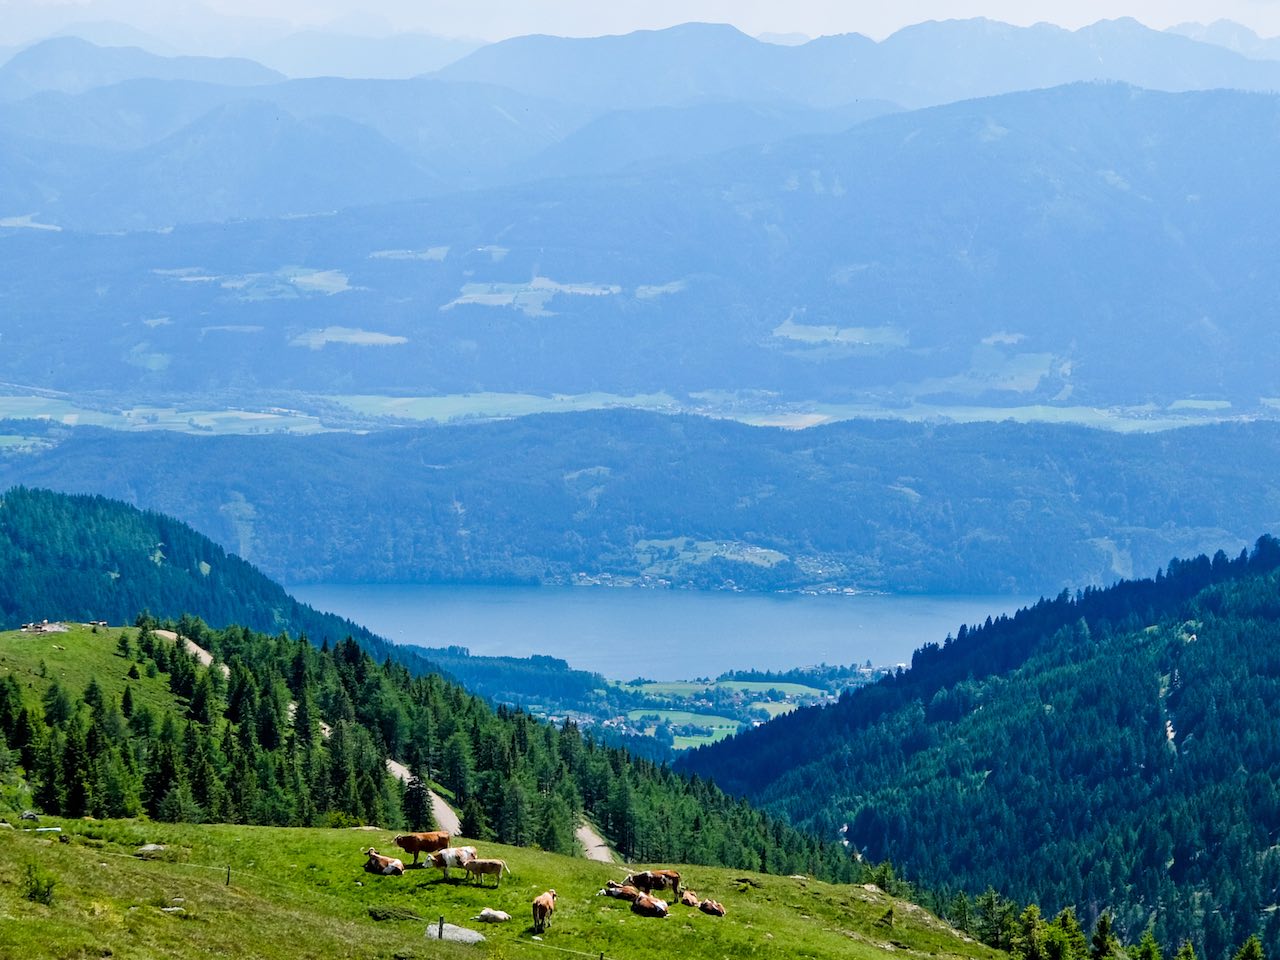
[37, 885]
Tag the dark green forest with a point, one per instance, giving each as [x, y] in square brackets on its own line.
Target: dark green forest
[1114, 750]
[980, 508]
[90, 558]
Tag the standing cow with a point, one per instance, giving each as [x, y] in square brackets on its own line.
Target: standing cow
[452, 857]
[544, 904]
[428, 842]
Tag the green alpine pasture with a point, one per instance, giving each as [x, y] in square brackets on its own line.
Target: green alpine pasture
[277, 892]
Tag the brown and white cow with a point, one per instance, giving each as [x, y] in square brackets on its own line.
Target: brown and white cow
[649, 880]
[480, 868]
[648, 906]
[544, 904]
[452, 857]
[620, 891]
[713, 907]
[689, 898]
[386, 866]
[428, 842]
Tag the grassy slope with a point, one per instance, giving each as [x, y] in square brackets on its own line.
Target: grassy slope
[301, 893]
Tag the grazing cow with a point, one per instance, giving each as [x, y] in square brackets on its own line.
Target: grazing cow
[544, 904]
[713, 907]
[620, 891]
[478, 868]
[428, 842]
[650, 880]
[689, 898]
[452, 857]
[386, 866]
[648, 906]
[490, 915]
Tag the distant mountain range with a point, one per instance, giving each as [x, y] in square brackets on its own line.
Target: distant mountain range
[923, 65]
[72, 65]
[1084, 246]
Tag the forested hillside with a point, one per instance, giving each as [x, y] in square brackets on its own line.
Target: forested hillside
[90, 558]
[1119, 749]
[121, 723]
[692, 501]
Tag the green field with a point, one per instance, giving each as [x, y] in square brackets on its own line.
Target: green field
[773, 707]
[459, 406]
[761, 686]
[302, 893]
[686, 716]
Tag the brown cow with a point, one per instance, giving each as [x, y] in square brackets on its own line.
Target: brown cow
[478, 868]
[713, 907]
[650, 880]
[544, 904]
[620, 891]
[689, 898]
[386, 866]
[428, 842]
[648, 906]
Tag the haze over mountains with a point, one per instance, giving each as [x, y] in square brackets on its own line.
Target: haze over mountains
[834, 247]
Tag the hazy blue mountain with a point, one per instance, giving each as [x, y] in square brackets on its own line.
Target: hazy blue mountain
[72, 65]
[250, 159]
[980, 508]
[1234, 36]
[930, 63]
[630, 140]
[114, 33]
[1087, 245]
[322, 53]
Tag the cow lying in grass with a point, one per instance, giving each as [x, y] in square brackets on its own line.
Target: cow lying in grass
[428, 842]
[689, 898]
[385, 866]
[713, 907]
[620, 891]
[452, 857]
[650, 880]
[480, 868]
[648, 906]
[544, 904]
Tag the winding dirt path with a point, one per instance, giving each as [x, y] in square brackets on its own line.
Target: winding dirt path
[594, 844]
[203, 655]
[446, 816]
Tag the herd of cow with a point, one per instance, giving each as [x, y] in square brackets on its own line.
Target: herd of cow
[637, 887]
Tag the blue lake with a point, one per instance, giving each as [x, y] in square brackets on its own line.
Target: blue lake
[657, 634]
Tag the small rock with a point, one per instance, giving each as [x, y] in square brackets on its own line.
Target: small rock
[359, 883]
[5, 825]
[173, 909]
[30, 815]
[149, 849]
[178, 900]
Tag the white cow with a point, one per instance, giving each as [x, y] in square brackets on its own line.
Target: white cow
[452, 857]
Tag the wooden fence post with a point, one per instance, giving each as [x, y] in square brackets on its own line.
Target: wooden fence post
[440, 932]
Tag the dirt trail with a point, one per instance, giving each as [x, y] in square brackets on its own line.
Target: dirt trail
[594, 844]
[203, 655]
[446, 816]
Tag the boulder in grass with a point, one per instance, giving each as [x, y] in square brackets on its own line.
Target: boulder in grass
[454, 934]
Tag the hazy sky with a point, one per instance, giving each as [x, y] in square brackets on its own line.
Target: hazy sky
[494, 19]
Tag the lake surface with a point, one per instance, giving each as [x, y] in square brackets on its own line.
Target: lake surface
[657, 634]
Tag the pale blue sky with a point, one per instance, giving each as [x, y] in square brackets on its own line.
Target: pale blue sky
[494, 19]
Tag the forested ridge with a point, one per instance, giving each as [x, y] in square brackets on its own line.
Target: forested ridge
[1118, 749]
[693, 501]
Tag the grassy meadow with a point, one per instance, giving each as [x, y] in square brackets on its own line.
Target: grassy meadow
[302, 893]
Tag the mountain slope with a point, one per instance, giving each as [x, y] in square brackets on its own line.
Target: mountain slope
[1117, 750]
[981, 508]
[72, 65]
[1086, 246]
[88, 558]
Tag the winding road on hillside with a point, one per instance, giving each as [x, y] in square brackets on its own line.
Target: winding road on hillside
[595, 846]
[446, 816]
